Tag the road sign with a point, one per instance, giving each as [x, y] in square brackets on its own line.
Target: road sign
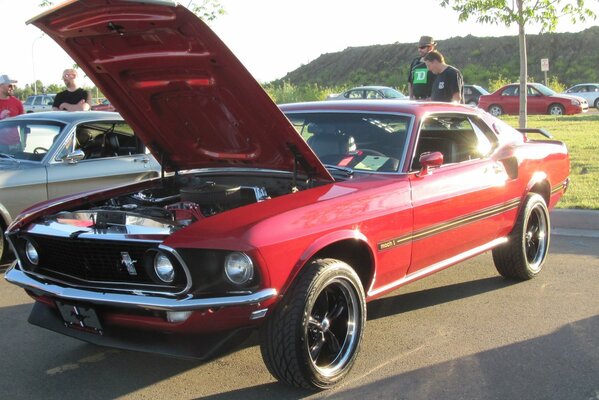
[544, 64]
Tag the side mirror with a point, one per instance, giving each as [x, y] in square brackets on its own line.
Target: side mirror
[74, 157]
[430, 160]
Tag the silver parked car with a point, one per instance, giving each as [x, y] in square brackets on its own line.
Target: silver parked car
[588, 91]
[369, 92]
[53, 154]
[39, 102]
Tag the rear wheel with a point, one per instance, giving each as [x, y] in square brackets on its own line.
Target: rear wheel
[523, 256]
[597, 103]
[495, 110]
[556, 109]
[312, 338]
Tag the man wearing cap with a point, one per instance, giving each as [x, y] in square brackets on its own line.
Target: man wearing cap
[74, 98]
[420, 79]
[10, 106]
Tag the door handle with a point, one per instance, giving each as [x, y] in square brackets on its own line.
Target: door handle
[144, 160]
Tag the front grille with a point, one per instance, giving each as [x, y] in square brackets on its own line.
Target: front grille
[95, 262]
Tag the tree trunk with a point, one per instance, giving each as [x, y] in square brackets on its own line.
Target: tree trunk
[523, 67]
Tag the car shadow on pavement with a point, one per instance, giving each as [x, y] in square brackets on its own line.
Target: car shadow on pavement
[560, 365]
[401, 303]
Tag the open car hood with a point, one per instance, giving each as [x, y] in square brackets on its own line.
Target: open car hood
[181, 89]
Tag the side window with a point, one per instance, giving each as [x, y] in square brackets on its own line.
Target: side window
[510, 91]
[458, 138]
[532, 91]
[355, 94]
[373, 94]
[29, 101]
[49, 100]
[37, 101]
[107, 139]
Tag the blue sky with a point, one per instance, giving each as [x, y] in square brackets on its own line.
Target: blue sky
[270, 37]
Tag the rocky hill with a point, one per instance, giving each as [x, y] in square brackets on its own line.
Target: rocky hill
[573, 58]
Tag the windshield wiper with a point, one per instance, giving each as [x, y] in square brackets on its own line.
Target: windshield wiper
[347, 171]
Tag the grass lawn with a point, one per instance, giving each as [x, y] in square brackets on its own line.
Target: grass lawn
[581, 135]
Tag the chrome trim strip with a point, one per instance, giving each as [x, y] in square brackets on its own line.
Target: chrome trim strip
[437, 267]
[17, 277]
[183, 265]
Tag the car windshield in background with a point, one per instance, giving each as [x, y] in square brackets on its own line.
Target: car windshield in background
[360, 141]
[27, 140]
[392, 94]
[544, 90]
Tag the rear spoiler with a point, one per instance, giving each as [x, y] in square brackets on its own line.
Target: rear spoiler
[536, 130]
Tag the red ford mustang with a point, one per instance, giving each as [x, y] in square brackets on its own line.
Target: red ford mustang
[540, 100]
[286, 220]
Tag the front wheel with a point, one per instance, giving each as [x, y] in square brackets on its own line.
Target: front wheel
[597, 103]
[522, 257]
[495, 110]
[556, 109]
[312, 338]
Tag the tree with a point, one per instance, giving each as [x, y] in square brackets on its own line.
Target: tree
[545, 13]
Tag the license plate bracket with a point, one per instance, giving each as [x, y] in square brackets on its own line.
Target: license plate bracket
[80, 317]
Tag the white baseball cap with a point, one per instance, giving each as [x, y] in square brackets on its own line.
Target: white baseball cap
[5, 79]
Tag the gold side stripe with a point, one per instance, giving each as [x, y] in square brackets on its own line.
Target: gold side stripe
[452, 224]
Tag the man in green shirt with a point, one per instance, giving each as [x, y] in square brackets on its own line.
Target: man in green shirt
[420, 79]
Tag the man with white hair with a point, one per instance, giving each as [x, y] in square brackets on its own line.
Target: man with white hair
[10, 106]
[74, 98]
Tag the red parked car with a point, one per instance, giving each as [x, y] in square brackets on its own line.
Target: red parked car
[540, 100]
[103, 106]
[288, 220]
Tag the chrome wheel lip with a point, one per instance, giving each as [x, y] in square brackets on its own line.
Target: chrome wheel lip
[349, 343]
[536, 238]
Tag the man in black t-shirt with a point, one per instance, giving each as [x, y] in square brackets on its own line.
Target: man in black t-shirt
[74, 98]
[420, 79]
[449, 83]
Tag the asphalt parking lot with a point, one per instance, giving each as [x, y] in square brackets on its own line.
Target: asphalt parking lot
[464, 333]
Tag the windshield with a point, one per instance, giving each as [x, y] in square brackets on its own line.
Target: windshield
[356, 141]
[544, 89]
[393, 94]
[27, 140]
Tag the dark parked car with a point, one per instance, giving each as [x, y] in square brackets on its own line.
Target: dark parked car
[286, 220]
[472, 93]
[540, 100]
[369, 92]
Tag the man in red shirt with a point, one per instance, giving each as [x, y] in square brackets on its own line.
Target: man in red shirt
[10, 106]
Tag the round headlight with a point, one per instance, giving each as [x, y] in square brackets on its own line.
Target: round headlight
[239, 268]
[31, 253]
[164, 268]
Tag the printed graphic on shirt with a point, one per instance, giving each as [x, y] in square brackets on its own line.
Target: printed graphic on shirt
[420, 75]
[441, 85]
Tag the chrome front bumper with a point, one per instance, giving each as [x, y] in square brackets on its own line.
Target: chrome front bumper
[38, 286]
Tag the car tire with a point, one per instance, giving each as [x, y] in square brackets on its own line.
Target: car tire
[556, 109]
[597, 103]
[495, 109]
[312, 338]
[523, 256]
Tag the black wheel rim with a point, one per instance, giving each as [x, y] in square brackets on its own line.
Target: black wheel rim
[536, 238]
[333, 327]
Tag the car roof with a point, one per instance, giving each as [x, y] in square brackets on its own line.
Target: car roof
[417, 108]
[70, 117]
[370, 87]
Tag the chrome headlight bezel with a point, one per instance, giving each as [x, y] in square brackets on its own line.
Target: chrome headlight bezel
[164, 268]
[239, 268]
[31, 253]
